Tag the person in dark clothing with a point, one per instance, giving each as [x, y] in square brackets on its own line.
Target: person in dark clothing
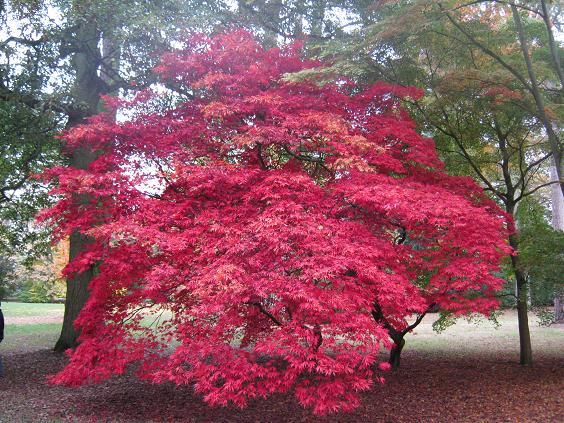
[1, 324]
[1, 338]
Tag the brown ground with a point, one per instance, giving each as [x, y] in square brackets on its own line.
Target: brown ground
[30, 320]
[467, 374]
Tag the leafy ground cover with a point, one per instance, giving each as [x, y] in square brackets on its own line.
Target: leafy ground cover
[469, 373]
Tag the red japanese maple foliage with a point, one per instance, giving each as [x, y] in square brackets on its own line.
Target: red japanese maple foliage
[260, 223]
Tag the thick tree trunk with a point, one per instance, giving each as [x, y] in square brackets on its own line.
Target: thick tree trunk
[77, 294]
[88, 89]
[558, 309]
[557, 202]
[77, 286]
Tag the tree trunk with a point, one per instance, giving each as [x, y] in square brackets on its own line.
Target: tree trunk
[395, 353]
[526, 353]
[553, 139]
[558, 309]
[525, 350]
[77, 294]
[557, 201]
[88, 89]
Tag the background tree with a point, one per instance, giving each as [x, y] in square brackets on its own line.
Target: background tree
[104, 48]
[68, 55]
[314, 20]
[482, 101]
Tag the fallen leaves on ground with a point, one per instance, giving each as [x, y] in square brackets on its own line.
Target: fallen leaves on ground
[428, 388]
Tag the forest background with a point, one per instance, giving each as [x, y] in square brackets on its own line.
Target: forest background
[491, 71]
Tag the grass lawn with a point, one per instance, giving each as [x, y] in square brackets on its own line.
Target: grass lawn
[12, 309]
[31, 326]
[468, 373]
[30, 337]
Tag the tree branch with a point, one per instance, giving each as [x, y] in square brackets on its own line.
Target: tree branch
[485, 49]
[263, 165]
[419, 318]
[526, 194]
[265, 312]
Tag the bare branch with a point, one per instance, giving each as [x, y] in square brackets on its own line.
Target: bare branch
[526, 194]
[264, 311]
[485, 49]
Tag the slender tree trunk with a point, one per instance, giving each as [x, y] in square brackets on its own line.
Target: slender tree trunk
[553, 139]
[557, 200]
[395, 353]
[525, 348]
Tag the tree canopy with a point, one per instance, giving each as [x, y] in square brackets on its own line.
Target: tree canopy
[282, 229]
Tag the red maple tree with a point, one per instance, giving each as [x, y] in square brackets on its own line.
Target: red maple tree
[278, 233]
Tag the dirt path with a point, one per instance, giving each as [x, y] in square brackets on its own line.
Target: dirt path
[32, 320]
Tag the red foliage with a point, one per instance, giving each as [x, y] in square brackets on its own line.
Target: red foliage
[267, 218]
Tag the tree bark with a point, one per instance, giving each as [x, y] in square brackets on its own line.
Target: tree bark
[88, 89]
[525, 348]
[395, 353]
[558, 309]
[557, 201]
[77, 295]
[553, 139]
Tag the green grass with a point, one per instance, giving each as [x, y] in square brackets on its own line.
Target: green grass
[31, 330]
[464, 337]
[22, 338]
[32, 309]
[32, 333]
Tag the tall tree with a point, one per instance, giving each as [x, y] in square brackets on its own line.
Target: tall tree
[84, 50]
[312, 20]
[482, 103]
[28, 124]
